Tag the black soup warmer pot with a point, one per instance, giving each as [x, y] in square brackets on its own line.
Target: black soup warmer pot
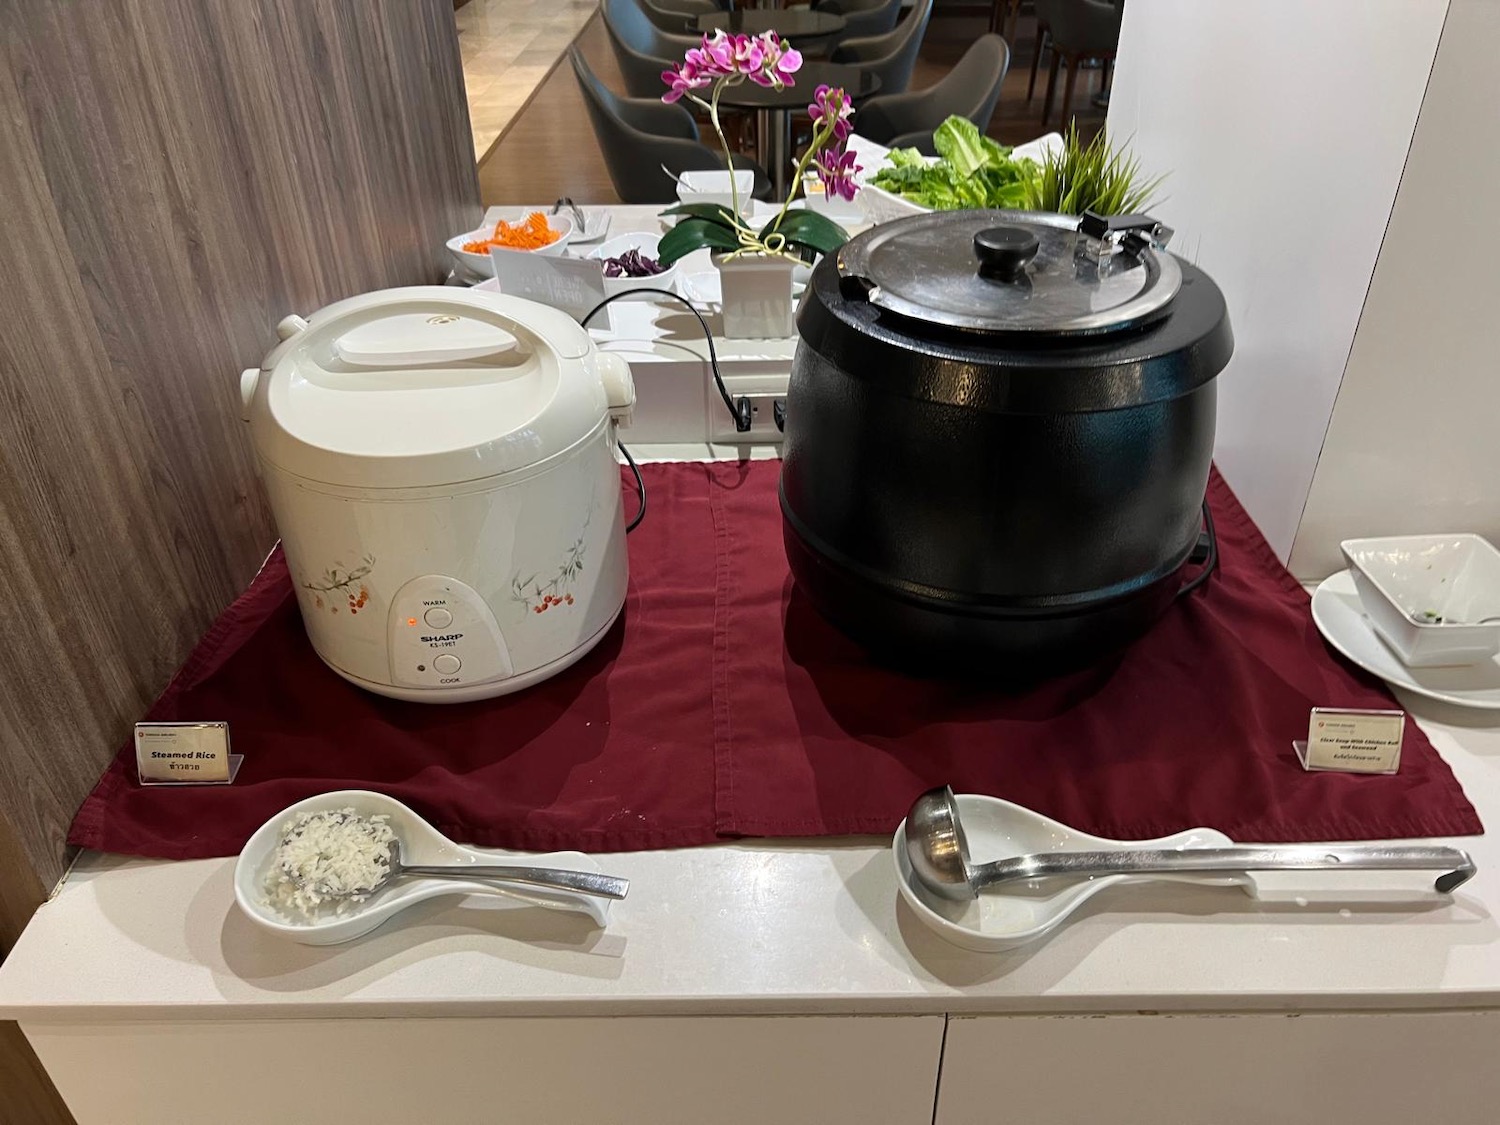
[998, 436]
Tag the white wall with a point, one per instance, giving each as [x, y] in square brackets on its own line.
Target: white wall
[1414, 444]
[1284, 125]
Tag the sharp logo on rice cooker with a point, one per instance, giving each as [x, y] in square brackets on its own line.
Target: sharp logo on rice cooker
[444, 637]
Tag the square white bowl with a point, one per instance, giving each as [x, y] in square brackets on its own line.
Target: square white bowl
[1428, 596]
[481, 265]
[715, 187]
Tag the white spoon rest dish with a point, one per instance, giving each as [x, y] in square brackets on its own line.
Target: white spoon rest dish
[420, 844]
[1003, 919]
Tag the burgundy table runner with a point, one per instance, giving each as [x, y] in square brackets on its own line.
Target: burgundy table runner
[723, 706]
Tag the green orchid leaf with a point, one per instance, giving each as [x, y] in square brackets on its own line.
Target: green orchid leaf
[714, 212]
[694, 234]
[808, 229]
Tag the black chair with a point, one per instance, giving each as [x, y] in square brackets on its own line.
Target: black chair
[689, 9]
[675, 17]
[863, 17]
[642, 49]
[1075, 31]
[970, 90]
[639, 135]
[892, 56]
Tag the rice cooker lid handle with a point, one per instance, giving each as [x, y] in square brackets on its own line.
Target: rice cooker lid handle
[1022, 272]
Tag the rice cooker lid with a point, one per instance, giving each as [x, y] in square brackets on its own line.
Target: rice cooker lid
[430, 385]
[1026, 272]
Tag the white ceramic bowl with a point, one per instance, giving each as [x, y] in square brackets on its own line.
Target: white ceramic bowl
[648, 245]
[714, 187]
[420, 843]
[1428, 596]
[481, 265]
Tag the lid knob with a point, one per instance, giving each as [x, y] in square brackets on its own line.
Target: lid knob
[1004, 251]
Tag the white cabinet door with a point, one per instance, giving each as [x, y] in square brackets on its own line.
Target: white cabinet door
[622, 1071]
[1374, 1069]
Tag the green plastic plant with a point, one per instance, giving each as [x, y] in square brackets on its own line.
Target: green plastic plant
[1077, 177]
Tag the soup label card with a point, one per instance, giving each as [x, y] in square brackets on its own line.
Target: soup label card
[1352, 741]
[184, 754]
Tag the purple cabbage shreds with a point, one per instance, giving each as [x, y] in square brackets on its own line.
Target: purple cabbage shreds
[632, 263]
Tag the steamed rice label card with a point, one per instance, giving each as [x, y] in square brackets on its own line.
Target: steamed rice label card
[184, 754]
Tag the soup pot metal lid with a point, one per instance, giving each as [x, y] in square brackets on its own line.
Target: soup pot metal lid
[1025, 272]
[1162, 340]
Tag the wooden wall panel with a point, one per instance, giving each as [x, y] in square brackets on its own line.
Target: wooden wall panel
[27, 1096]
[177, 175]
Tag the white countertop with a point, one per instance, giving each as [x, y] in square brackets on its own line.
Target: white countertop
[765, 927]
[761, 927]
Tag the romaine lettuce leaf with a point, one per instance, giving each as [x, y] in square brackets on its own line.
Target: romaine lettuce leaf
[957, 141]
[972, 171]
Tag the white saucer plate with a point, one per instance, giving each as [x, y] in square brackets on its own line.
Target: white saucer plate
[1341, 619]
[598, 221]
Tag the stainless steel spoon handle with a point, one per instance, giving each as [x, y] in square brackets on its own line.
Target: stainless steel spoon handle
[553, 878]
[1456, 864]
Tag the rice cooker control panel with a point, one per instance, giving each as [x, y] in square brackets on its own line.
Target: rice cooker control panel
[443, 634]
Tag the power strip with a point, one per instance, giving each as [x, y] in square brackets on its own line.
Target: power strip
[676, 400]
[763, 414]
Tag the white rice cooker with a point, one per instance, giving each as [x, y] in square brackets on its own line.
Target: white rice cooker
[441, 465]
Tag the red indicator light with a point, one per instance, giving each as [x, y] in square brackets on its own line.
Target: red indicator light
[411, 620]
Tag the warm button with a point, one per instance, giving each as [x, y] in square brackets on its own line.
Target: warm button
[447, 663]
[438, 618]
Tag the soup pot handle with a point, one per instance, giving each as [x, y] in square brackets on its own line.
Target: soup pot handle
[1206, 552]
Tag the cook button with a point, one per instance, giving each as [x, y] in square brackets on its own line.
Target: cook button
[438, 618]
[447, 664]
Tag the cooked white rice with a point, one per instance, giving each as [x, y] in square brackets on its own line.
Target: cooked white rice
[326, 860]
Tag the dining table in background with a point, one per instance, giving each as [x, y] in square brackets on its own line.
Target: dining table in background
[774, 109]
[803, 28]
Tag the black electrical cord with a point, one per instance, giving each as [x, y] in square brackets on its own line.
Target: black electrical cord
[640, 488]
[1213, 555]
[739, 411]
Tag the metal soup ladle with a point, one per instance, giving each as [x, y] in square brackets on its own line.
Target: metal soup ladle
[939, 856]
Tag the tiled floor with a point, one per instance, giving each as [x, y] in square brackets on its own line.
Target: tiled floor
[509, 47]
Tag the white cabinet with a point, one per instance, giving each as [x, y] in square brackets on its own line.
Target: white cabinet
[1375, 1069]
[596, 1071]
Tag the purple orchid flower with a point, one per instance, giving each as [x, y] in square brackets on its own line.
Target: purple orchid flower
[836, 168]
[831, 103]
[683, 79]
[766, 60]
[717, 54]
[749, 56]
[781, 61]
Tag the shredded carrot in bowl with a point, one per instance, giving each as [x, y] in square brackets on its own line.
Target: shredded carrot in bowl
[531, 233]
